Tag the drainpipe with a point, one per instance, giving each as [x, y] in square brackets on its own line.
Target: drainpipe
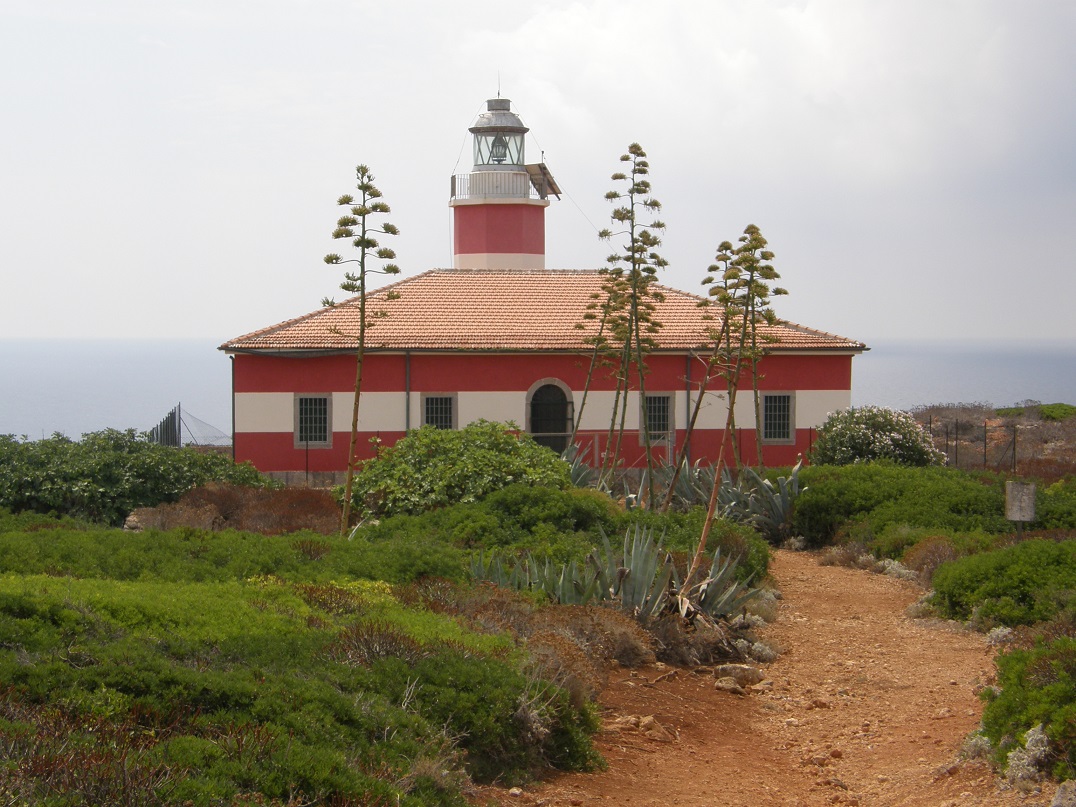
[687, 408]
[231, 359]
[407, 390]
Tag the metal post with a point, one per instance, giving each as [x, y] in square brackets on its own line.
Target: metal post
[984, 445]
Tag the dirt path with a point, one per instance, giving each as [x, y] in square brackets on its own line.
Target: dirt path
[865, 706]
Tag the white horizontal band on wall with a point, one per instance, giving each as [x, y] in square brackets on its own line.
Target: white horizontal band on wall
[385, 411]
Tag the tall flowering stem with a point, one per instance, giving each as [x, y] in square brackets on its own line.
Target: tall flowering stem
[359, 226]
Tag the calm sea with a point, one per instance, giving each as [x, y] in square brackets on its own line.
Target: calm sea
[75, 387]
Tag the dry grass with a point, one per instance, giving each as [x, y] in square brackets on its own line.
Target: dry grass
[852, 555]
[975, 437]
[927, 555]
[266, 511]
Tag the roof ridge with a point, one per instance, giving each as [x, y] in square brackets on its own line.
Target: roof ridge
[506, 309]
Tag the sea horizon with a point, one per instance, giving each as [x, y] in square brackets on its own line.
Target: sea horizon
[74, 387]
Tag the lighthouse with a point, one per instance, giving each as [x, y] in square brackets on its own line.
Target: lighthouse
[498, 209]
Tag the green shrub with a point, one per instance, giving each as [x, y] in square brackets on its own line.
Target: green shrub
[106, 475]
[679, 533]
[1010, 411]
[510, 727]
[235, 688]
[433, 467]
[1036, 686]
[869, 433]
[187, 554]
[558, 525]
[877, 495]
[571, 510]
[896, 541]
[1029, 582]
[1057, 411]
[1055, 505]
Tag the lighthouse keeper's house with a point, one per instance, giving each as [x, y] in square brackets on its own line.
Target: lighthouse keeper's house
[499, 337]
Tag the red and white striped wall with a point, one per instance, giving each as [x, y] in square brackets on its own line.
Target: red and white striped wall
[497, 387]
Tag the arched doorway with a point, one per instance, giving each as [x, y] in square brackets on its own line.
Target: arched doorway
[550, 418]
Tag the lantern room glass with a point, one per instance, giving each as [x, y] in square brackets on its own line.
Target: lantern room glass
[498, 149]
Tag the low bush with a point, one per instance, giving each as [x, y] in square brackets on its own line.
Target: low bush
[927, 555]
[869, 433]
[432, 468]
[898, 541]
[106, 475]
[877, 495]
[1036, 686]
[1055, 505]
[1057, 411]
[1025, 583]
[69, 549]
[207, 693]
[561, 525]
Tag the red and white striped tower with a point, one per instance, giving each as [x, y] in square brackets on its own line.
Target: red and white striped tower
[499, 208]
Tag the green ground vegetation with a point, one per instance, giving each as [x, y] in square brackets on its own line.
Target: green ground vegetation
[879, 494]
[1031, 581]
[106, 475]
[1053, 411]
[185, 667]
[432, 468]
[559, 525]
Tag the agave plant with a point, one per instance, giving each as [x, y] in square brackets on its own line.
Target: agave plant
[719, 595]
[643, 584]
[582, 475]
[770, 506]
[693, 483]
[567, 584]
[641, 579]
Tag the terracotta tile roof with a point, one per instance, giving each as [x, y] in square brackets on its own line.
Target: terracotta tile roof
[499, 310]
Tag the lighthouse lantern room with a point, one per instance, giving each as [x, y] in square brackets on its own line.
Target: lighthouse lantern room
[499, 207]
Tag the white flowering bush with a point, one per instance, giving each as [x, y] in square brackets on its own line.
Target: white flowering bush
[871, 433]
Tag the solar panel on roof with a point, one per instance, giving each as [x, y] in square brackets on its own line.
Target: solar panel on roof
[542, 180]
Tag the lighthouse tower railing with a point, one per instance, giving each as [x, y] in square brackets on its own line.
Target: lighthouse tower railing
[493, 185]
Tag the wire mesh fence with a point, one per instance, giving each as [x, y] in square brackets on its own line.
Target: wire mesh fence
[179, 428]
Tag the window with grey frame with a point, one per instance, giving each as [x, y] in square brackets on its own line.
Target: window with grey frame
[313, 421]
[439, 411]
[778, 418]
[658, 413]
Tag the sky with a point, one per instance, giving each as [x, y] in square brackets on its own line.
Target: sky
[170, 170]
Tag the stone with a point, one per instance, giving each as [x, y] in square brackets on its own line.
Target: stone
[653, 730]
[729, 685]
[744, 674]
[1066, 795]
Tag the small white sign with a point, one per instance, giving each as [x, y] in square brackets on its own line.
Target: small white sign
[1020, 501]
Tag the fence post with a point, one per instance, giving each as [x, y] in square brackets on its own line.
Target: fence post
[984, 445]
